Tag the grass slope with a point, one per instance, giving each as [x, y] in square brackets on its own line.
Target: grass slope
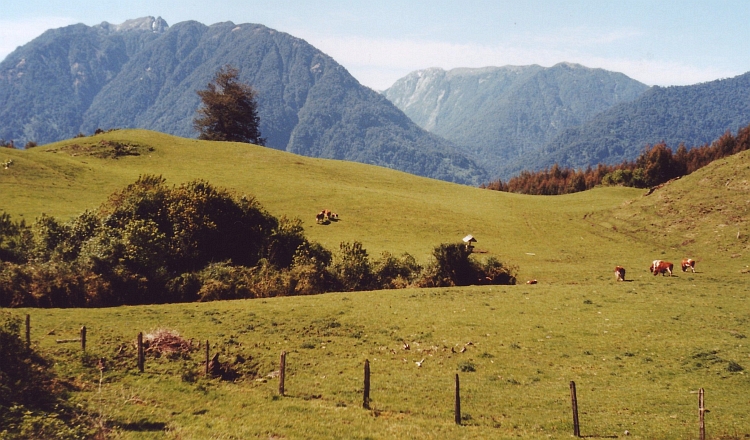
[637, 350]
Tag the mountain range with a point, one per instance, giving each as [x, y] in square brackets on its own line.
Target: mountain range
[144, 74]
[463, 125]
[501, 114]
[692, 115]
[516, 118]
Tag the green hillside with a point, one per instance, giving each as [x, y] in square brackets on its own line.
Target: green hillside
[637, 350]
[384, 209]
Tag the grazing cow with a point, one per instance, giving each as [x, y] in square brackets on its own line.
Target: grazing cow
[327, 214]
[334, 216]
[531, 282]
[688, 262]
[653, 265]
[320, 218]
[661, 267]
[619, 273]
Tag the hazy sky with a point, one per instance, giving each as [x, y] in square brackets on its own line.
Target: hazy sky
[379, 41]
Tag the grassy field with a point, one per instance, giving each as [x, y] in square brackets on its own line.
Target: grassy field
[637, 350]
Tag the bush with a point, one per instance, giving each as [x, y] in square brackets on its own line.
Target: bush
[452, 266]
[15, 240]
[395, 273]
[29, 407]
[352, 267]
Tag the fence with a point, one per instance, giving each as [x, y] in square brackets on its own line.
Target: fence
[367, 381]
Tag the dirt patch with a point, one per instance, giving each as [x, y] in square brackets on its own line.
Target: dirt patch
[105, 149]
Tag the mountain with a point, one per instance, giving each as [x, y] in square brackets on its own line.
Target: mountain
[500, 115]
[144, 74]
[693, 115]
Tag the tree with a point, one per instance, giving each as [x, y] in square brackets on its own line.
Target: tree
[229, 111]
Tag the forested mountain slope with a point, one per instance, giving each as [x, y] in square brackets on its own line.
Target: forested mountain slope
[693, 115]
[79, 78]
[501, 114]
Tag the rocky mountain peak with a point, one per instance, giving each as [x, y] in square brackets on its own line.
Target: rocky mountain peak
[157, 25]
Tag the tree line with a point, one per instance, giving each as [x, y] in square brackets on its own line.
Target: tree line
[657, 164]
[153, 243]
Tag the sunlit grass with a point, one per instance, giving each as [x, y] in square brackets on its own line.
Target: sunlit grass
[637, 350]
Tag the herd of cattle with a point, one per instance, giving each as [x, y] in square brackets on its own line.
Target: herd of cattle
[659, 267]
[325, 216]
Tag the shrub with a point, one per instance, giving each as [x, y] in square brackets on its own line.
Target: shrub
[285, 240]
[15, 240]
[394, 273]
[352, 267]
[29, 406]
[451, 267]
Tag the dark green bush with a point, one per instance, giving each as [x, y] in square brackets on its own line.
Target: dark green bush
[29, 406]
[15, 240]
[352, 267]
[452, 265]
[391, 272]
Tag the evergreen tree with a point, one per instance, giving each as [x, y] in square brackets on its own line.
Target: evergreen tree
[229, 111]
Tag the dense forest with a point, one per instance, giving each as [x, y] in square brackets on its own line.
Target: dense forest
[655, 165]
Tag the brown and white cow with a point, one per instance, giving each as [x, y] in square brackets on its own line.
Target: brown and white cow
[688, 262]
[320, 217]
[619, 273]
[661, 267]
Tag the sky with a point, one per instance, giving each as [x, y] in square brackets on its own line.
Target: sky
[379, 41]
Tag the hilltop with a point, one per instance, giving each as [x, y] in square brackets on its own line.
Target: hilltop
[144, 74]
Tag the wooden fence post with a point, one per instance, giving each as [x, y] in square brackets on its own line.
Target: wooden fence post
[140, 352]
[701, 410]
[28, 331]
[282, 372]
[207, 356]
[366, 401]
[457, 406]
[83, 338]
[574, 402]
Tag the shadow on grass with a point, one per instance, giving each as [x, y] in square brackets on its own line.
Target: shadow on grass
[143, 426]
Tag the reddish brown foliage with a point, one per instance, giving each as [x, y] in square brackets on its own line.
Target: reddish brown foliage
[656, 165]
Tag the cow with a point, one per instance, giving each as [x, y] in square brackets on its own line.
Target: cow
[334, 216]
[531, 282]
[619, 273]
[320, 217]
[327, 214]
[653, 265]
[661, 267]
[688, 262]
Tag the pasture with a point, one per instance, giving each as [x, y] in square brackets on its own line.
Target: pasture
[637, 350]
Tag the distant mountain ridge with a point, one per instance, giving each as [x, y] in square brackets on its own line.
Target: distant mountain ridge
[144, 74]
[694, 115]
[500, 115]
